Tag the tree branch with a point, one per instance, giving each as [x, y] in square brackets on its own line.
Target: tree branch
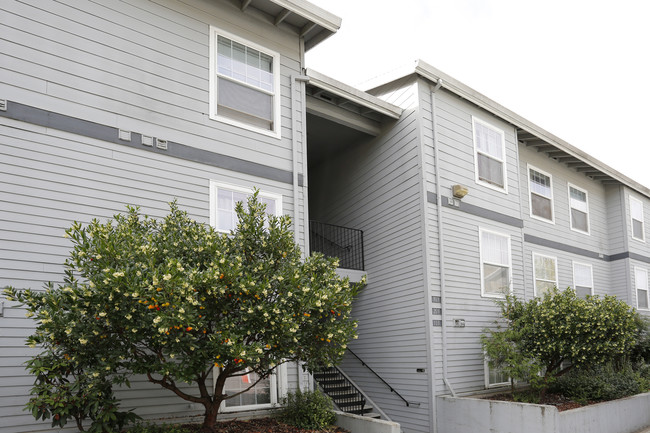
[172, 387]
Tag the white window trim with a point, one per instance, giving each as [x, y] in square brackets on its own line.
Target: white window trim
[503, 150]
[486, 371]
[214, 32]
[642, 239]
[534, 273]
[569, 186]
[636, 288]
[275, 391]
[214, 187]
[530, 194]
[480, 252]
[591, 271]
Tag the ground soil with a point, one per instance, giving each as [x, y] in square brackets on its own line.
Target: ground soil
[559, 401]
[260, 425]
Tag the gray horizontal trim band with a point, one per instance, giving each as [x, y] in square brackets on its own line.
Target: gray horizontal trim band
[484, 213]
[49, 119]
[566, 248]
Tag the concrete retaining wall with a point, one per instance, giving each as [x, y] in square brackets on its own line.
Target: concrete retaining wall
[466, 414]
[362, 424]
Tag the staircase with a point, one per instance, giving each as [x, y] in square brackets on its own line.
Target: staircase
[345, 395]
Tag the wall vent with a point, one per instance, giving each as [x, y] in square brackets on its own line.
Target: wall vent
[147, 140]
[124, 135]
[3, 105]
[161, 144]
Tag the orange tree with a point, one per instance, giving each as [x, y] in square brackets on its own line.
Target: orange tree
[176, 301]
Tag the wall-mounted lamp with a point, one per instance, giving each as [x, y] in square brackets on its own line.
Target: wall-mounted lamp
[459, 191]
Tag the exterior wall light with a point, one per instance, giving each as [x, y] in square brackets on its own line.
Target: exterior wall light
[459, 191]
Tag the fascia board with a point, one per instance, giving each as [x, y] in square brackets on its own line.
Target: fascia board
[313, 13]
[355, 95]
[451, 84]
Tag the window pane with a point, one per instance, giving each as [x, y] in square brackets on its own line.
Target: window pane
[496, 279]
[642, 298]
[245, 100]
[582, 292]
[582, 275]
[545, 268]
[541, 206]
[636, 209]
[490, 170]
[540, 183]
[488, 140]
[637, 229]
[258, 394]
[578, 199]
[579, 220]
[496, 376]
[542, 287]
[641, 279]
[494, 249]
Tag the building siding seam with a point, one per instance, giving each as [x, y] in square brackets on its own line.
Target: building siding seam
[62, 122]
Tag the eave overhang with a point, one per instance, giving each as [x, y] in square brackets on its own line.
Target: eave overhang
[532, 135]
[305, 19]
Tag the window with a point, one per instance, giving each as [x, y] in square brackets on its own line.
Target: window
[541, 194]
[489, 155]
[255, 393]
[495, 263]
[545, 268]
[579, 209]
[641, 283]
[223, 199]
[583, 280]
[636, 213]
[244, 83]
[494, 376]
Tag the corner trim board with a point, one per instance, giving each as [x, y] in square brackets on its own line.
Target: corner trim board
[86, 128]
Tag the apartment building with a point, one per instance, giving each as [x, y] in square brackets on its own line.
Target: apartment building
[442, 197]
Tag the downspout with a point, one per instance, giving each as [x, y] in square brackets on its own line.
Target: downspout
[294, 145]
[441, 248]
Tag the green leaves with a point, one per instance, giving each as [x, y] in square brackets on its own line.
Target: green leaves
[172, 299]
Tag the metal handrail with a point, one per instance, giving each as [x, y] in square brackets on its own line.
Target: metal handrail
[337, 241]
[380, 378]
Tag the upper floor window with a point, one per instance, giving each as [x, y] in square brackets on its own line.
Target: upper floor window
[579, 209]
[244, 83]
[489, 155]
[495, 263]
[636, 213]
[541, 194]
[583, 280]
[545, 268]
[223, 199]
[641, 284]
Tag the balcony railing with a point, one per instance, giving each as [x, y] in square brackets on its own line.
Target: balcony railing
[336, 241]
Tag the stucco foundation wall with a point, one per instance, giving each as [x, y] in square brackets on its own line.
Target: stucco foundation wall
[626, 415]
[362, 424]
[476, 415]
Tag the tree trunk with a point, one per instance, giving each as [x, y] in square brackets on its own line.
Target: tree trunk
[211, 411]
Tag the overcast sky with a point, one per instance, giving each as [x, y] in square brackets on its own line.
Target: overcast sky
[579, 69]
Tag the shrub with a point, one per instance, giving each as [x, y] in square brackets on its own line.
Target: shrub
[603, 382]
[157, 428]
[544, 332]
[308, 409]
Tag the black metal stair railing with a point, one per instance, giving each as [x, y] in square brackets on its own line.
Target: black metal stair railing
[336, 241]
[345, 395]
[393, 390]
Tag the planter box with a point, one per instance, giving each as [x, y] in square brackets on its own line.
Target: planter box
[467, 414]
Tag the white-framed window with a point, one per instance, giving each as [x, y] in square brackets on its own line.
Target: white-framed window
[496, 266]
[583, 279]
[489, 155]
[641, 284]
[636, 216]
[224, 197]
[257, 394]
[541, 194]
[244, 83]
[545, 273]
[579, 208]
[495, 377]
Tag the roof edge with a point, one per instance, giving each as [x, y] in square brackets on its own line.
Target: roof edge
[431, 73]
[314, 13]
[358, 96]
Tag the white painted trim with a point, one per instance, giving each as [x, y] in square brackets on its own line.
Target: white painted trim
[214, 187]
[504, 190]
[480, 249]
[535, 273]
[486, 375]
[273, 394]
[569, 186]
[591, 271]
[530, 194]
[632, 198]
[636, 288]
[277, 90]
